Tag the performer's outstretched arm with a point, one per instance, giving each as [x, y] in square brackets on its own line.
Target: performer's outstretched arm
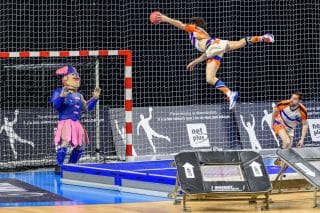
[94, 100]
[174, 22]
[198, 60]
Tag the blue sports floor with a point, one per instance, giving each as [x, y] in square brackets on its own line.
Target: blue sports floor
[46, 179]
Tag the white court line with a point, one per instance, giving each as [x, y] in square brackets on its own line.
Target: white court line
[169, 168]
[166, 176]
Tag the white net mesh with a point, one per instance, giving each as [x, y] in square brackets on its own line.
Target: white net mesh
[263, 74]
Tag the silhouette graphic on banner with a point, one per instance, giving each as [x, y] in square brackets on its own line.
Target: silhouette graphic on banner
[7, 127]
[252, 134]
[122, 133]
[267, 118]
[145, 124]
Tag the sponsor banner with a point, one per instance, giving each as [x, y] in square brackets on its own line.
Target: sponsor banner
[198, 135]
[164, 130]
[314, 127]
[27, 134]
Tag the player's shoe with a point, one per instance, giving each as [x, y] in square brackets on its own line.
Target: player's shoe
[233, 99]
[277, 162]
[57, 170]
[268, 38]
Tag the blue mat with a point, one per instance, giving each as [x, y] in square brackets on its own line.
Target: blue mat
[149, 171]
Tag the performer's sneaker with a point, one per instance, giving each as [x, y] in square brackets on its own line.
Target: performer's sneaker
[277, 162]
[267, 38]
[233, 99]
[57, 170]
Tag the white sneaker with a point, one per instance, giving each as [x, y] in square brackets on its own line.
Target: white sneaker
[268, 38]
[233, 99]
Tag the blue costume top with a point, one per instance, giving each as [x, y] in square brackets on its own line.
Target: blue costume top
[71, 106]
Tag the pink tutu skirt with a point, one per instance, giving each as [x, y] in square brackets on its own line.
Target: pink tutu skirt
[74, 133]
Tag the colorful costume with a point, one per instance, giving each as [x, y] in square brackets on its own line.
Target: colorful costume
[70, 131]
[215, 48]
[289, 118]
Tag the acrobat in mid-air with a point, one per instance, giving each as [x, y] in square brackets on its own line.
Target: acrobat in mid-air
[69, 104]
[212, 49]
[285, 117]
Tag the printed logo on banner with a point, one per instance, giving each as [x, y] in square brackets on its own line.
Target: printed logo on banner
[198, 135]
[314, 127]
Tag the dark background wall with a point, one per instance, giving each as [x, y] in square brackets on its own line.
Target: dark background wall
[260, 73]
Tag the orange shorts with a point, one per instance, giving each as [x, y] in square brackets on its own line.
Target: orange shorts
[277, 126]
[216, 59]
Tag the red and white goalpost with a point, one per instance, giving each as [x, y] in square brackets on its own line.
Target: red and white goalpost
[128, 102]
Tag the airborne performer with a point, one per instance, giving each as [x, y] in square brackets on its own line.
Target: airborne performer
[212, 49]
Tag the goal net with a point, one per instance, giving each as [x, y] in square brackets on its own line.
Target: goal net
[28, 120]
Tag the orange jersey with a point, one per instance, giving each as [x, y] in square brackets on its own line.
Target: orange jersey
[196, 34]
[290, 117]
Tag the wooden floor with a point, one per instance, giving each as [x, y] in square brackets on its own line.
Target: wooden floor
[291, 203]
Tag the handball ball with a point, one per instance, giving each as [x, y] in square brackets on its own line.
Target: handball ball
[154, 17]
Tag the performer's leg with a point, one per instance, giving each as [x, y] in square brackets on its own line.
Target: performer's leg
[76, 154]
[266, 38]
[211, 71]
[61, 155]
[285, 138]
[234, 45]
[78, 150]
[287, 141]
[62, 150]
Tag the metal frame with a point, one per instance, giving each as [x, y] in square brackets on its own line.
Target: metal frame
[279, 180]
[251, 197]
